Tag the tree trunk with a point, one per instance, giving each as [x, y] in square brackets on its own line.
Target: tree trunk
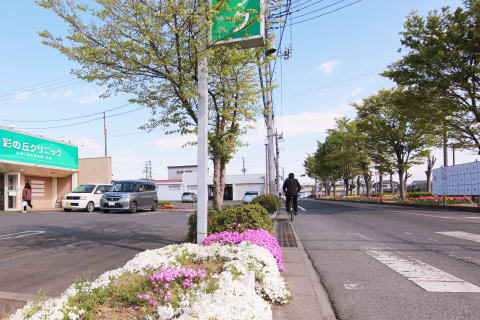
[359, 184]
[219, 171]
[346, 182]
[430, 163]
[401, 184]
[391, 183]
[380, 183]
[367, 177]
[334, 191]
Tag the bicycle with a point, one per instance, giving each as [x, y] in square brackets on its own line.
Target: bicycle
[289, 207]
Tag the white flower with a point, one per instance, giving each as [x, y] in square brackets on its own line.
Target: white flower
[235, 298]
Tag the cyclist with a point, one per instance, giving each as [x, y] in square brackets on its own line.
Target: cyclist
[291, 187]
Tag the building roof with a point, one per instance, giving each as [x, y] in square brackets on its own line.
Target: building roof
[167, 181]
[191, 166]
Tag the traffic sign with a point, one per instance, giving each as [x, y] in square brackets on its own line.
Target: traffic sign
[238, 22]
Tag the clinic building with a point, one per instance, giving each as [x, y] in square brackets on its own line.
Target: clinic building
[50, 166]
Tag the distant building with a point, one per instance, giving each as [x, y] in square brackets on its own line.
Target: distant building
[418, 185]
[184, 179]
[386, 186]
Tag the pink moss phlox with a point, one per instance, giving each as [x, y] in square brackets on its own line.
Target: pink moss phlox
[260, 237]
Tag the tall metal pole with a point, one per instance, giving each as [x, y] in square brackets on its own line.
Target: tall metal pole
[445, 150]
[105, 132]
[269, 124]
[277, 164]
[202, 146]
[266, 168]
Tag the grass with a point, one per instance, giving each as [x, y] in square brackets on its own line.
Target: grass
[120, 299]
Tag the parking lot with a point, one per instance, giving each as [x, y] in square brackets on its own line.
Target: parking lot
[48, 250]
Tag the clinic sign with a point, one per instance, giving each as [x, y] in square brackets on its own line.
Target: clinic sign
[23, 148]
[238, 22]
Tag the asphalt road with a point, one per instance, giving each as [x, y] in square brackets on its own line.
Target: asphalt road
[386, 262]
[48, 250]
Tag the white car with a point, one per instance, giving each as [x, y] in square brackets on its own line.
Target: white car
[85, 197]
[249, 195]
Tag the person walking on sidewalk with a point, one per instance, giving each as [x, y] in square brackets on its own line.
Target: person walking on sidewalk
[27, 197]
[291, 187]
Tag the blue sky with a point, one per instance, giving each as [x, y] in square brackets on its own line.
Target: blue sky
[336, 61]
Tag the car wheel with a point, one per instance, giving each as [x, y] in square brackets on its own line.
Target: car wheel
[133, 207]
[105, 211]
[90, 206]
[154, 206]
[67, 210]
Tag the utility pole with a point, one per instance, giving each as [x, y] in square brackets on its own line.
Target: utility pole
[243, 169]
[105, 131]
[269, 121]
[202, 121]
[266, 168]
[277, 160]
[148, 170]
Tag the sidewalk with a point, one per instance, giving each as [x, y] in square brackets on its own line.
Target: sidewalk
[310, 301]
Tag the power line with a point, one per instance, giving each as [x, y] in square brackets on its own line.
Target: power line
[333, 84]
[53, 86]
[324, 14]
[82, 122]
[35, 85]
[316, 10]
[71, 118]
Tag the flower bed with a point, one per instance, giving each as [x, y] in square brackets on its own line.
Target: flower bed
[185, 281]
[260, 237]
[430, 200]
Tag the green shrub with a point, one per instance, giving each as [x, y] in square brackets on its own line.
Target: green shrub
[250, 216]
[269, 201]
[418, 194]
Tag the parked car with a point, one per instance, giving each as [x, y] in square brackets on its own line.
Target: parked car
[85, 197]
[130, 196]
[249, 195]
[189, 197]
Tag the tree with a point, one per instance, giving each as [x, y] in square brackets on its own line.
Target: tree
[317, 166]
[443, 58]
[390, 122]
[430, 163]
[149, 49]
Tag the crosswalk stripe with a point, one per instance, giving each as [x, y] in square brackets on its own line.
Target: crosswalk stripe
[424, 275]
[461, 235]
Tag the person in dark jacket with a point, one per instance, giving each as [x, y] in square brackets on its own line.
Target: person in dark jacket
[291, 187]
[27, 196]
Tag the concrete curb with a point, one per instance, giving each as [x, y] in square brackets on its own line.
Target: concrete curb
[411, 205]
[321, 293]
[11, 301]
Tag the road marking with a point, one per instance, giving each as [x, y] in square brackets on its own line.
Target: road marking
[433, 216]
[424, 275]
[301, 208]
[20, 234]
[471, 217]
[461, 235]
[352, 286]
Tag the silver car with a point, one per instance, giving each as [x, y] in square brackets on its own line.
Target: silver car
[130, 196]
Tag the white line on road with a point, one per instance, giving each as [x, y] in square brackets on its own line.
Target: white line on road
[471, 217]
[20, 234]
[424, 275]
[301, 208]
[461, 235]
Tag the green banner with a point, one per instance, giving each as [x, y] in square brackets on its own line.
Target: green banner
[24, 148]
[236, 20]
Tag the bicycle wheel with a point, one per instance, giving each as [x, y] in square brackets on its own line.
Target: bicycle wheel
[291, 210]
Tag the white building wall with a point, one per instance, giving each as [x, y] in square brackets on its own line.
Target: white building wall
[167, 192]
[240, 189]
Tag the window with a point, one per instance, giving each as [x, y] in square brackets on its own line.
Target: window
[192, 187]
[179, 172]
[174, 187]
